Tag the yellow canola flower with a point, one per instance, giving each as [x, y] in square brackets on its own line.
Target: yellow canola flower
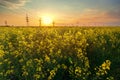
[47, 58]
[25, 73]
[21, 60]
[38, 69]
[9, 72]
[1, 53]
[36, 76]
[102, 70]
[64, 66]
[52, 74]
[78, 70]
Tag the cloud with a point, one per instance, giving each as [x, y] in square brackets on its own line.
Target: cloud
[95, 15]
[113, 14]
[12, 4]
[109, 16]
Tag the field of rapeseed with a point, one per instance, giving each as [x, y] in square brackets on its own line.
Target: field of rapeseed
[60, 53]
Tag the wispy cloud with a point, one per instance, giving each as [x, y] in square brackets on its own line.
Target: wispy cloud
[113, 14]
[12, 4]
[94, 15]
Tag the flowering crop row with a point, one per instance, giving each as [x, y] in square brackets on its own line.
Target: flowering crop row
[59, 53]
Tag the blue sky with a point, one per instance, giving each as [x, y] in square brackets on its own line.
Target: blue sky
[70, 12]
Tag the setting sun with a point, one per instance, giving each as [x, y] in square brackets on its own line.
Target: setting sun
[47, 20]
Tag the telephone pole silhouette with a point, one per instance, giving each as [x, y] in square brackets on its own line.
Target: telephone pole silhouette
[40, 24]
[6, 23]
[53, 23]
[27, 20]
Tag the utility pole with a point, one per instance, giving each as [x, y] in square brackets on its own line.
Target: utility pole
[77, 24]
[6, 23]
[27, 20]
[40, 22]
[53, 23]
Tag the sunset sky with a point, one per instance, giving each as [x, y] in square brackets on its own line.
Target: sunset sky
[63, 12]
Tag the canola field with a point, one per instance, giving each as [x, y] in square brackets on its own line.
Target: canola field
[82, 53]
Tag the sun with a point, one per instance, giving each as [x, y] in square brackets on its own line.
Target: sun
[47, 20]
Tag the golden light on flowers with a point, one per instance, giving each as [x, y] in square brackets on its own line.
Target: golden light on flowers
[47, 52]
[47, 20]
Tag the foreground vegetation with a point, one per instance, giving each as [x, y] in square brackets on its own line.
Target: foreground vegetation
[60, 53]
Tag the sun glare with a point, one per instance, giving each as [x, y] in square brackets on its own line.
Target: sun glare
[47, 20]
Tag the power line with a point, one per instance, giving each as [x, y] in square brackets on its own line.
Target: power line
[22, 12]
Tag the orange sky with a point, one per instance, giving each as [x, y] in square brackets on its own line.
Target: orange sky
[69, 12]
